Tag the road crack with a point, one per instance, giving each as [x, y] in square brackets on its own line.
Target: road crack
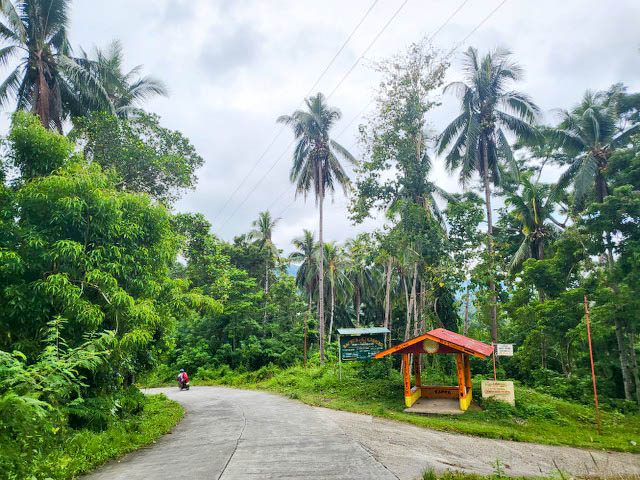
[244, 418]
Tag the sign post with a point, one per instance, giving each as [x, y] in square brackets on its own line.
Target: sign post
[502, 350]
[357, 344]
[593, 371]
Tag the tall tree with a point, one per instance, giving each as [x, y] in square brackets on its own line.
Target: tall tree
[263, 232]
[335, 266]
[47, 80]
[590, 134]
[477, 140]
[316, 165]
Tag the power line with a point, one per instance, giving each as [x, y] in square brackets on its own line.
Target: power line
[329, 96]
[451, 52]
[326, 69]
[375, 39]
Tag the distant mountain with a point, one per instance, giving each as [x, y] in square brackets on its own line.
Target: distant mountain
[293, 269]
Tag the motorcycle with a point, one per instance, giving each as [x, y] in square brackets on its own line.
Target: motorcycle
[183, 385]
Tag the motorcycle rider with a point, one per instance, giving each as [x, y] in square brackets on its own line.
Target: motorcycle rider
[183, 378]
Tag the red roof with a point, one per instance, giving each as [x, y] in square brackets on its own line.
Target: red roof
[450, 342]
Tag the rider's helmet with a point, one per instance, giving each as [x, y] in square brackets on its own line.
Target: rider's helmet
[181, 370]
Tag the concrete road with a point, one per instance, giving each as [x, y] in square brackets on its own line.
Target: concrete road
[238, 434]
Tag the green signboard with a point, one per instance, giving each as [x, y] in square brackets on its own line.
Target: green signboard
[360, 347]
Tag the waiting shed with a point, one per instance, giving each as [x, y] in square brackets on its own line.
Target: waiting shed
[444, 341]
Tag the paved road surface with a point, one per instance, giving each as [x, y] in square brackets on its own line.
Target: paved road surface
[232, 434]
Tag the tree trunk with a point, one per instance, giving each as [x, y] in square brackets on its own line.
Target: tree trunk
[422, 315]
[634, 361]
[387, 295]
[492, 284]
[413, 300]
[407, 328]
[624, 358]
[321, 272]
[465, 326]
[357, 305]
[42, 97]
[266, 287]
[333, 302]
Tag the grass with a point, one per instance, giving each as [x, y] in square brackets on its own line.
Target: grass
[537, 417]
[84, 450]
[450, 475]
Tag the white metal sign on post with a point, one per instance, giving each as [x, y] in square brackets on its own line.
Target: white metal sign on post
[504, 349]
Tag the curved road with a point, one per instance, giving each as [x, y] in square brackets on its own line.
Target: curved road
[239, 434]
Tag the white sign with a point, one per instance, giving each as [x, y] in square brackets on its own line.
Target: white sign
[502, 391]
[504, 349]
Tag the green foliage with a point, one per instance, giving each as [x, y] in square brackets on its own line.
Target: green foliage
[34, 150]
[144, 156]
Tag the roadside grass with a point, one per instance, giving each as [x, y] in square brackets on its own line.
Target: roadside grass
[456, 475]
[83, 450]
[376, 389]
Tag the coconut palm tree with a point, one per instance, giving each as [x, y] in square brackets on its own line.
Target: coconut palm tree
[125, 90]
[47, 80]
[532, 204]
[590, 134]
[305, 257]
[476, 139]
[360, 276]
[316, 165]
[262, 232]
[339, 284]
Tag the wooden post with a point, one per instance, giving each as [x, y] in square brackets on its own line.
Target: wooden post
[305, 338]
[416, 369]
[339, 359]
[407, 374]
[593, 371]
[494, 362]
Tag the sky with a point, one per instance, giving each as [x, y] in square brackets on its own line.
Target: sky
[233, 66]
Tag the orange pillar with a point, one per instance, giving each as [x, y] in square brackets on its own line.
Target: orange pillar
[407, 374]
[467, 370]
[417, 369]
[460, 369]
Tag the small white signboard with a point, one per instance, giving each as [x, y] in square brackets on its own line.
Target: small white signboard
[504, 349]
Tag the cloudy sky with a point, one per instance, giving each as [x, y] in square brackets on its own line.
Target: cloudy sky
[234, 66]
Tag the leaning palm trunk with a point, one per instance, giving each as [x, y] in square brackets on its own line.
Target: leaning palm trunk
[321, 271]
[492, 284]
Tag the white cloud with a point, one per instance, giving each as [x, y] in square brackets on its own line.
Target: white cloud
[234, 66]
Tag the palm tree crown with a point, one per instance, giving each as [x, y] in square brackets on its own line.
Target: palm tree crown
[315, 159]
[589, 134]
[47, 80]
[489, 110]
[126, 91]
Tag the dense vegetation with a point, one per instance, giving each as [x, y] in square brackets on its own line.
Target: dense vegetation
[102, 282]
